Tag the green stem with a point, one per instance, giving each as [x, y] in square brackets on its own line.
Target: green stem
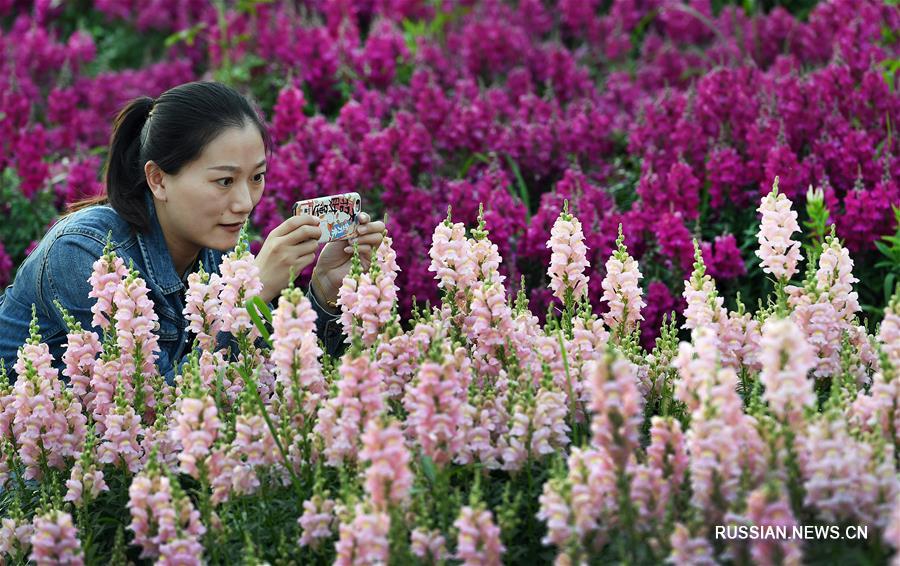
[250, 381]
[571, 392]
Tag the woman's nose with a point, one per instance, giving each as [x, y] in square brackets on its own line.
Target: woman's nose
[243, 199]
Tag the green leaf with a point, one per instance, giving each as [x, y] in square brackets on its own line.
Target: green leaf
[254, 316]
[889, 287]
[520, 183]
[262, 307]
[428, 468]
[187, 35]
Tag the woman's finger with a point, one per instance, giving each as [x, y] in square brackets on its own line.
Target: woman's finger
[303, 234]
[364, 218]
[365, 250]
[303, 262]
[370, 239]
[302, 249]
[371, 228]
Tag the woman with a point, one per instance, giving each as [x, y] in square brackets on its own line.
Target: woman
[184, 172]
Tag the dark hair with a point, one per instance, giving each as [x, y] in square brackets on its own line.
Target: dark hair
[171, 131]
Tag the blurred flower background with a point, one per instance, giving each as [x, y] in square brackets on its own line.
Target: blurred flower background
[670, 117]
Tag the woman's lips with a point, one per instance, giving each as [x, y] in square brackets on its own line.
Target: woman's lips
[236, 227]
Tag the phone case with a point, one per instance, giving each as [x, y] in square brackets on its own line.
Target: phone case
[338, 215]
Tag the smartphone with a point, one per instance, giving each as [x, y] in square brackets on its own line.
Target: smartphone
[338, 215]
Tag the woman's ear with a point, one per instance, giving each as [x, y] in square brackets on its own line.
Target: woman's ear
[155, 180]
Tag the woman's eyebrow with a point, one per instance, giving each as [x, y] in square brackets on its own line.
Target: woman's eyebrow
[235, 167]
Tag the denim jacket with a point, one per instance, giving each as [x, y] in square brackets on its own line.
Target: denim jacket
[59, 269]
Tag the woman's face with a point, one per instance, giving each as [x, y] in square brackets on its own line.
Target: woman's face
[219, 188]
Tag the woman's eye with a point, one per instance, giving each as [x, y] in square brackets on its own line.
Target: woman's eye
[258, 178]
[225, 182]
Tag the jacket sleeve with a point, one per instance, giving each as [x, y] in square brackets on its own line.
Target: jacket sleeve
[64, 276]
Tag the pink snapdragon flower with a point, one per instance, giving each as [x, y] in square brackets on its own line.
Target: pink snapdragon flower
[360, 397]
[86, 481]
[822, 327]
[15, 536]
[182, 551]
[451, 258]
[768, 507]
[593, 500]
[47, 422]
[550, 431]
[55, 540]
[479, 538]
[196, 427]
[201, 303]
[555, 512]
[846, 478]
[136, 340]
[650, 495]
[369, 309]
[485, 253]
[621, 289]
[396, 358]
[109, 270]
[835, 279]
[120, 445]
[786, 358]
[617, 406]
[704, 305]
[240, 281]
[832, 467]
[777, 251]
[889, 333]
[80, 356]
[489, 322]
[690, 550]
[253, 447]
[317, 521]
[81, 482]
[434, 402]
[370, 297]
[665, 468]
[696, 363]
[104, 381]
[429, 545]
[384, 271]
[514, 446]
[723, 445]
[388, 476]
[162, 514]
[296, 351]
[892, 531]
[483, 419]
[364, 540]
[568, 259]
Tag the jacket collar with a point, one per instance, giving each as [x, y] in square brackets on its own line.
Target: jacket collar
[157, 258]
[156, 254]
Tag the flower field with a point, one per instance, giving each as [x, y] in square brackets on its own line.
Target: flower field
[640, 282]
[480, 436]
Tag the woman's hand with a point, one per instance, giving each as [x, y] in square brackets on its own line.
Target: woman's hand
[292, 244]
[334, 261]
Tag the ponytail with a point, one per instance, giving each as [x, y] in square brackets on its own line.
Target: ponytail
[125, 182]
[124, 176]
